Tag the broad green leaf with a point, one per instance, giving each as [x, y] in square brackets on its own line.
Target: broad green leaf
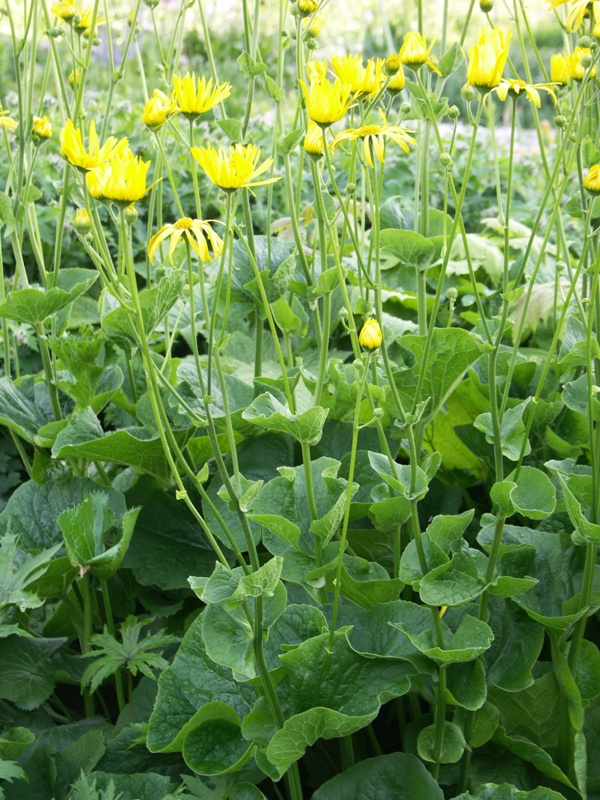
[22, 408]
[574, 346]
[536, 755]
[149, 785]
[267, 412]
[291, 319]
[471, 638]
[136, 447]
[586, 531]
[327, 281]
[587, 673]
[286, 530]
[33, 306]
[386, 515]
[484, 726]
[326, 527]
[28, 671]
[399, 476]
[398, 775]
[512, 431]
[532, 495]
[575, 395]
[444, 530]
[451, 60]
[298, 623]
[410, 565]
[515, 649]
[217, 746]
[493, 791]
[14, 741]
[455, 582]
[466, 683]
[410, 247]
[453, 743]
[191, 684]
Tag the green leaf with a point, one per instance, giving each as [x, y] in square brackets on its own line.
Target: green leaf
[453, 744]
[290, 141]
[267, 412]
[232, 128]
[217, 746]
[471, 638]
[451, 60]
[9, 770]
[400, 476]
[286, 530]
[15, 741]
[512, 431]
[492, 791]
[28, 671]
[6, 214]
[83, 437]
[387, 514]
[575, 395]
[22, 408]
[574, 345]
[19, 571]
[327, 281]
[587, 531]
[398, 775]
[444, 530]
[287, 319]
[410, 247]
[466, 683]
[33, 306]
[533, 495]
[188, 692]
[453, 583]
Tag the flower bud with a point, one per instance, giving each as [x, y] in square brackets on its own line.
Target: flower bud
[392, 64]
[311, 44]
[378, 413]
[350, 188]
[467, 93]
[560, 266]
[151, 3]
[587, 61]
[454, 112]
[55, 33]
[584, 41]
[486, 5]
[370, 336]
[560, 121]
[446, 160]
[405, 108]
[41, 130]
[452, 293]
[82, 222]
[307, 7]
[130, 214]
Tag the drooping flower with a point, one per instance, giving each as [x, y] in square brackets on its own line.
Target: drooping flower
[591, 182]
[121, 181]
[487, 59]
[313, 141]
[414, 52]
[73, 149]
[511, 87]
[234, 168]
[560, 68]
[374, 137]
[326, 102]
[41, 129]
[194, 96]
[158, 110]
[65, 10]
[196, 232]
[363, 80]
[7, 122]
[370, 336]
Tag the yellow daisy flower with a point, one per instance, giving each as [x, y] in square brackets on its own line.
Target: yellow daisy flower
[317, 70]
[362, 79]
[576, 67]
[414, 52]
[487, 59]
[313, 141]
[73, 149]
[158, 110]
[560, 68]
[121, 181]
[591, 182]
[41, 129]
[196, 232]
[374, 137]
[370, 336]
[326, 102]
[196, 96]
[84, 24]
[313, 24]
[7, 122]
[64, 10]
[514, 88]
[577, 13]
[235, 168]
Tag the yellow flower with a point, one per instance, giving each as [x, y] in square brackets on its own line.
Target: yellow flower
[414, 52]
[577, 13]
[196, 232]
[396, 82]
[158, 110]
[235, 168]
[84, 24]
[307, 7]
[82, 222]
[7, 122]
[576, 67]
[560, 68]
[73, 149]
[313, 141]
[362, 80]
[64, 10]
[326, 102]
[122, 180]
[487, 59]
[317, 70]
[74, 77]
[314, 24]
[41, 129]
[515, 87]
[374, 137]
[370, 336]
[591, 182]
[194, 97]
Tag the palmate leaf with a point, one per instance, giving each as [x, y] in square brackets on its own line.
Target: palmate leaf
[131, 652]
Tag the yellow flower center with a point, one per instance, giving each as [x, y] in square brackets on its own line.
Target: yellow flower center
[183, 224]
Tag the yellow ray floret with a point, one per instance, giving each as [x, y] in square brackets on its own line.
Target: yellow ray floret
[326, 102]
[234, 168]
[374, 137]
[196, 232]
[158, 110]
[73, 149]
[415, 52]
[511, 87]
[487, 59]
[122, 180]
[370, 335]
[194, 96]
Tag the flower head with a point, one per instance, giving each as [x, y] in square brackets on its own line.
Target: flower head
[487, 59]
[396, 83]
[414, 52]
[326, 102]
[307, 7]
[196, 232]
[83, 25]
[374, 137]
[591, 182]
[576, 65]
[7, 122]
[515, 88]
[577, 13]
[73, 149]
[370, 335]
[64, 10]
[235, 168]
[158, 110]
[122, 180]
[362, 79]
[313, 24]
[560, 68]
[41, 129]
[313, 141]
[82, 221]
[196, 96]
[317, 70]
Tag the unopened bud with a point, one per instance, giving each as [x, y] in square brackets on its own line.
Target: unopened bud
[405, 108]
[82, 222]
[446, 160]
[587, 61]
[56, 33]
[452, 293]
[560, 121]
[350, 188]
[392, 64]
[130, 215]
[454, 112]
[585, 41]
[467, 92]
[311, 44]
[560, 266]
[486, 5]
